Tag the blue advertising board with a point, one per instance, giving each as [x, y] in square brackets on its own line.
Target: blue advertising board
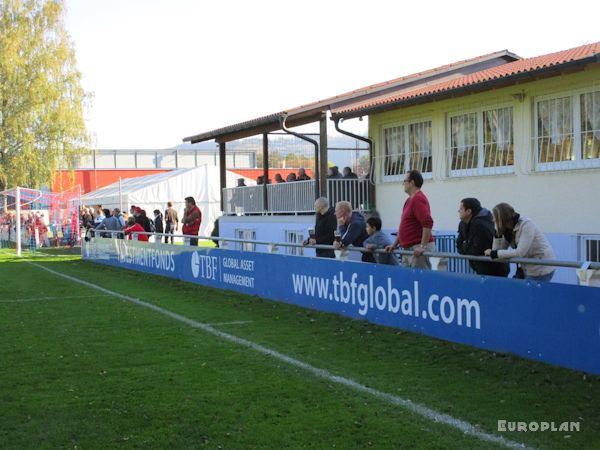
[550, 322]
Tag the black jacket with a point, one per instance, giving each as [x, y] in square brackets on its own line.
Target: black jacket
[144, 222]
[325, 226]
[474, 238]
[158, 223]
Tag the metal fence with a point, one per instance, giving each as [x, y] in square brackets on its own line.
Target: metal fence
[446, 243]
[296, 197]
[243, 200]
[293, 197]
[356, 191]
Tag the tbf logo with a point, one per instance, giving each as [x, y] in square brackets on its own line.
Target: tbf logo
[204, 266]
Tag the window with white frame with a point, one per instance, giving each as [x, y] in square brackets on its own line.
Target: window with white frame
[294, 237]
[481, 142]
[590, 248]
[567, 131]
[407, 147]
[247, 235]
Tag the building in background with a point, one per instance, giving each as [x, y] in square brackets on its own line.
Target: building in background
[497, 127]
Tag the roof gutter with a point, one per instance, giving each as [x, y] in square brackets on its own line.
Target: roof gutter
[336, 124]
[282, 118]
[463, 90]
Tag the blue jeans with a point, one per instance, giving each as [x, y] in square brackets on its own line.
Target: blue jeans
[546, 277]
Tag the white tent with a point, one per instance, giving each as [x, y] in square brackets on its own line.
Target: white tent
[152, 192]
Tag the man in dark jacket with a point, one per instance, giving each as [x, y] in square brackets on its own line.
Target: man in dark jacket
[325, 226]
[352, 228]
[142, 219]
[476, 234]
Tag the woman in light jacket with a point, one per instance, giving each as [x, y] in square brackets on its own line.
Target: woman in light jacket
[521, 238]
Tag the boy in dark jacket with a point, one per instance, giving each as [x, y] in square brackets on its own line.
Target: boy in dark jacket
[475, 235]
[377, 240]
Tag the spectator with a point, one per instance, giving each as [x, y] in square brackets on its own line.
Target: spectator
[215, 231]
[132, 210]
[351, 226]
[87, 220]
[122, 221]
[172, 221]
[325, 226]
[43, 231]
[241, 182]
[378, 240]
[475, 235]
[110, 223]
[414, 232]
[279, 178]
[260, 180]
[334, 172]
[525, 240]
[348, 173]
[291, 177]
[134, 227]
[158, 224]
[142, 219]
[192, 218]
[302, 176]
[99, 217]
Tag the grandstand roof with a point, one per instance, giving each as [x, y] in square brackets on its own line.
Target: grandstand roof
[312, 112]
[549, 64]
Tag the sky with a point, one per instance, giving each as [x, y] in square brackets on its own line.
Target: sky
[161, 70]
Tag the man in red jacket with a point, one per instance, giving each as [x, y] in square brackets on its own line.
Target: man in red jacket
[192, 217]
[414, 231]
[133, 227]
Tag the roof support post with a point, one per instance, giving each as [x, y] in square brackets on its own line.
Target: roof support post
[265, 171]
[222, 172]
[322, 162]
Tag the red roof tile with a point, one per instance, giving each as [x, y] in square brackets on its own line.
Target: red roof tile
[496, 73]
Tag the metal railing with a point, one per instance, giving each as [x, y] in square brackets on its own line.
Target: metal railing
[296, 197]
[357, 191]
[243, 200]
[446, 243]
[273, 246]
[293, 197]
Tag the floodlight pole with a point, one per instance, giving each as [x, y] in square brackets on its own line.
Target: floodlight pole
[18, 220]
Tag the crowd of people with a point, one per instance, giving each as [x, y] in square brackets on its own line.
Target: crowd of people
[39, 230]
[500, 234]
[116, 224]
[332, 173]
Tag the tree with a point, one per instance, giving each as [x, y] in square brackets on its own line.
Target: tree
[42, 103]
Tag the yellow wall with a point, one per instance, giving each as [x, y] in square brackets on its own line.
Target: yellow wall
[566, 201]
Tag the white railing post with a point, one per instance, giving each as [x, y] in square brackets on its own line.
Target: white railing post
[18, 220]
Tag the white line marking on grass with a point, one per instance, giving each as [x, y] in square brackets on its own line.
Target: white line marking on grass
[424, 411]
[235, 322]
[38, 299]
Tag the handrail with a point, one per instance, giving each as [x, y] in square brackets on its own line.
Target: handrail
[539, 262]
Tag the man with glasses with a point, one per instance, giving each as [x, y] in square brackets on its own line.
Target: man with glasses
[414, 231]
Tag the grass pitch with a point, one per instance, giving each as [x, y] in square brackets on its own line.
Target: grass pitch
[82, 369]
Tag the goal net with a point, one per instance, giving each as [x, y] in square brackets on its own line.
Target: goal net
[31, 219]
